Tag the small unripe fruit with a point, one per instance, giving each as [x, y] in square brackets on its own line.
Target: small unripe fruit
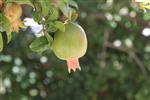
[70, 45]
[1, 4]
[13, 12]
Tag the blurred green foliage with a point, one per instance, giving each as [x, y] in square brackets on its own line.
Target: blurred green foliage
[116, 66]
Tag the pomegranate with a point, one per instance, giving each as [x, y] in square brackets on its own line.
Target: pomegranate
[13, 12]
[70, 45]
[1, 3]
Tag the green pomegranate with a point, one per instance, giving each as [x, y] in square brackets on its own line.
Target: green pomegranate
[70, 45]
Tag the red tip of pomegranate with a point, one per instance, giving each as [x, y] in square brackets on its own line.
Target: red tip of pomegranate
[73, 64]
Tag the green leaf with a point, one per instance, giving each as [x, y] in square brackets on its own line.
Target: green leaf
[64, 7]
[51, 27]
[4, 23]
[5, 26]
[59, 25]
[28, 2]
[36, 16]
[65, 10]
[49, 39]
[73, 3]
[45, 7]
[54, 14]
[146, 16]
[1, 42]
[9, 36]
[40, 44]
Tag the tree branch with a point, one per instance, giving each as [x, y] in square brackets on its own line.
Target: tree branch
[139, 64]
[104, 48]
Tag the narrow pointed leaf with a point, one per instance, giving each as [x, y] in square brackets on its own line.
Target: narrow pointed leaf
[1, 42]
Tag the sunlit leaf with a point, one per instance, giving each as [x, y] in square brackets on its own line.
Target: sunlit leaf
[28, 2]
[1, 42]
[9, 36]
[45, 7]
[54, 14]
[4, 23]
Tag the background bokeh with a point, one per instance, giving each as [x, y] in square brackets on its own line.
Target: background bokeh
[115, 67]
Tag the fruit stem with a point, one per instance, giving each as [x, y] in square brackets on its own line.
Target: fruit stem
[73, 64]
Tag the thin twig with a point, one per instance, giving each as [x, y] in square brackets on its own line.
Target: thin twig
[104, 49]
[139, 64]
[122, 49]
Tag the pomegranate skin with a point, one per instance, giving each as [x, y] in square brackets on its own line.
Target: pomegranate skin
[70, 44]
[13, 12]
[1, 3]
